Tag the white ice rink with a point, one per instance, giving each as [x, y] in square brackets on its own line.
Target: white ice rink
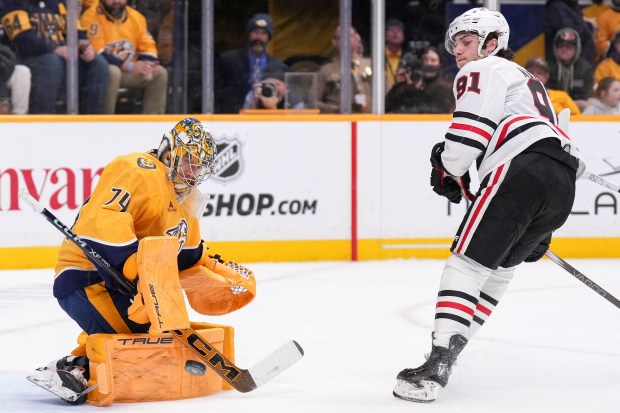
[552, 345]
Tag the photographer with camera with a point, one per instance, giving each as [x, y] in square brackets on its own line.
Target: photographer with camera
[406, 95]
[270, 91]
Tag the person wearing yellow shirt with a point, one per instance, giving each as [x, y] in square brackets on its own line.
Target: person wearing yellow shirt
[608, 23]
[559, 98]
[610, 67]
[394, 40]
[119, 33]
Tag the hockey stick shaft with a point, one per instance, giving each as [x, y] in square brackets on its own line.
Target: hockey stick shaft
[601, 181]
[563, 122]
[581, 277]
[127, 287]
[240, 379]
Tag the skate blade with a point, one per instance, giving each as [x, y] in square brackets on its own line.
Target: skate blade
[426, 392]
[62, 392]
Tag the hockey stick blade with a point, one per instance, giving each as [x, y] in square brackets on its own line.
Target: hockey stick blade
[581, 277]
[241, 380]
[601, 181]
[275, 363]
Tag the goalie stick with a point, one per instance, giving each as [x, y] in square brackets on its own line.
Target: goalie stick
[243, 380]
[577, 274]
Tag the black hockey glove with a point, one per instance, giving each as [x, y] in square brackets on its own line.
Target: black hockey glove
[444, 184]
[540, 250]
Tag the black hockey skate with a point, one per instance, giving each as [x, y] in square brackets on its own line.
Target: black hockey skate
[67, 378]
[423, 383]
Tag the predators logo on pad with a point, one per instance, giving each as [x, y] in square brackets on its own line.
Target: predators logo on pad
[146, 163]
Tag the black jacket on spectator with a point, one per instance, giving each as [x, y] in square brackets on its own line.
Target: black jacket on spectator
[231, 81]
[8, 60]
[575, 78]
[567, 13]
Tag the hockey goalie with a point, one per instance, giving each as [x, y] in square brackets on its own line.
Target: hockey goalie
[143, 219]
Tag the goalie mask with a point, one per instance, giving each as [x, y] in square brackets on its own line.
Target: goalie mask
[188, 151]
[482, 22]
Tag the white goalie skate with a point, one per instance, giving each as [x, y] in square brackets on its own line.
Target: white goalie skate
[66, 382]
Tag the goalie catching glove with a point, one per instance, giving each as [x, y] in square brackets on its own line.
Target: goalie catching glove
[215, 286]
[444, 184]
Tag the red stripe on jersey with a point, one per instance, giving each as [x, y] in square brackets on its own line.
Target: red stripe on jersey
[483, 309]
[456, 306]
[502, 135]
[481, 201]
[462, 126]
[561, 131]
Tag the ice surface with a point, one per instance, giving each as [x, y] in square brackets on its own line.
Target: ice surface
[552, 345]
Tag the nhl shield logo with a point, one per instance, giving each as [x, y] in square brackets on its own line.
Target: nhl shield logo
[228, 161]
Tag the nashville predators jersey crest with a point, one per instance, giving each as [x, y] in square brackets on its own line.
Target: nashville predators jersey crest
[125, 38]
[180, 231]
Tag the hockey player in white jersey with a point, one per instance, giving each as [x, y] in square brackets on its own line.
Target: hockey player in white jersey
[527, 167]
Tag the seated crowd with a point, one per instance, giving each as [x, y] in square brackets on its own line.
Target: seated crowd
[119, 59]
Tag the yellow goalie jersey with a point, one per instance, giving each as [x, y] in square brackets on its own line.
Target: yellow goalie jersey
[124, 39]
[132, 200]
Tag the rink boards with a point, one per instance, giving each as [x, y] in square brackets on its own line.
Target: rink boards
[287, 187]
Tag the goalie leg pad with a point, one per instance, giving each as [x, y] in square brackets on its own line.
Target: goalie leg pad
[158, 284]
[143, 367]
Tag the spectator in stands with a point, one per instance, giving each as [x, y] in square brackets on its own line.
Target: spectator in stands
[86, 4]
[406, 95]
[610, 67]
[118, 32]
[437, 87]
[328, 78]
[37, 28]
[269, 93]
[559, 98]
[238, 70]
[394, 50]
[569, 71]
[14, 83]
[154, 11]
[595, 9]
[608, 23]
[560, 14]
[606, 100]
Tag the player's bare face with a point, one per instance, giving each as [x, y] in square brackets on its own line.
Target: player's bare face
[465, 48]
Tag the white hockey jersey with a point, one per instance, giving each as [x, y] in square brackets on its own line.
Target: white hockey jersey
[501, 109]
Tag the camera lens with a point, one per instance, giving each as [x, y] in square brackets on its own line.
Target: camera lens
[268, 89]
